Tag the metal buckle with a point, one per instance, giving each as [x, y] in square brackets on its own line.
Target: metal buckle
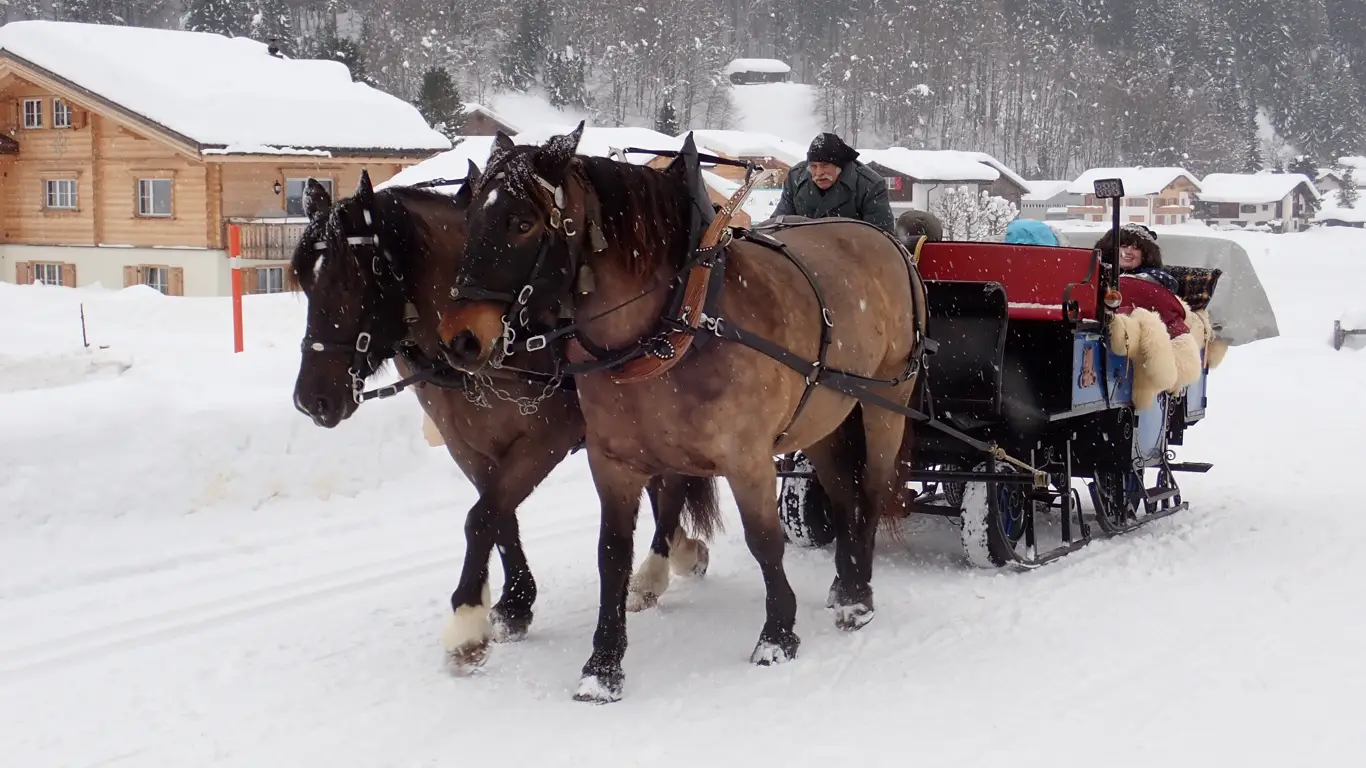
[569, 230]
[536, 343]
[363, 342]
[524, 295]
[827, 317]
[555, 218]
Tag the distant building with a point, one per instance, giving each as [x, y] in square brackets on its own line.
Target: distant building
[1153, 196]
[1048, 200]
[482, 121]
[916, 178]
[1279, 201]
[750, 71]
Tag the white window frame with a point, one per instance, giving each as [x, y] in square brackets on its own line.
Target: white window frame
[302, 183]
[147, 197]
[150, 277]
[47, 273]
[270, 279]
[61, 194]
[33, 114]
[62, 116]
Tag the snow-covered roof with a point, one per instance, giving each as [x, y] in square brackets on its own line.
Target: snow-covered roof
[1138, 182]
[934, 164]
[749, 144]
[767, 66]
[472, 108]
[217, 91]
[1043, 190]
[598, 142]
[1004, 169]
[1252, 188]
[451, 164]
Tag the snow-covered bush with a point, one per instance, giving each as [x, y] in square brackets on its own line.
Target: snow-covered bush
[970, 214]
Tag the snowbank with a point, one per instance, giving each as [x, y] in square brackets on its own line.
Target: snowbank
[222, 91]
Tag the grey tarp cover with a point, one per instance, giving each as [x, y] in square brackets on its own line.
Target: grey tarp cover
[1240, 308]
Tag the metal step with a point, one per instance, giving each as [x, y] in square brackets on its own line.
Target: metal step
[1191, 466]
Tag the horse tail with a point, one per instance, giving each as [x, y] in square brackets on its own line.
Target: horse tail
[701, 515]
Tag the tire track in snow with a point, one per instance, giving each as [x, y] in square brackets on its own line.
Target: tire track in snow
[135, 633]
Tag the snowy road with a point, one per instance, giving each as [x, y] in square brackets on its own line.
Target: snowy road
[195, 575]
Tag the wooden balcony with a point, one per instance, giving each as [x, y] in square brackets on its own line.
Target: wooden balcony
[269, 239]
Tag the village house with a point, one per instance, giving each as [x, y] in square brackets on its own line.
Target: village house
[754, 71]
[482, 121]
[917, 178]
[1048, 200]
[1153, 196]
[1281, 202]
[128, 152]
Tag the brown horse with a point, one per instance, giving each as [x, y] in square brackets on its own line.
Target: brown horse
[547, 223]
[377, 266]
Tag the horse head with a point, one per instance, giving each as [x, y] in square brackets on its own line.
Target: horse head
[371, 265]
[526, 228]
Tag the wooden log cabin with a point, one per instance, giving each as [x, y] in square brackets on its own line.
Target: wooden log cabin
[125, 153]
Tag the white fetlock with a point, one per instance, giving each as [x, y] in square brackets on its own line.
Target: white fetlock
[468, 630]
[767, 654]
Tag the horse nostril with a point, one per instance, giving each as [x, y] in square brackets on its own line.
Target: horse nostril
[323, 405]
[465, 346]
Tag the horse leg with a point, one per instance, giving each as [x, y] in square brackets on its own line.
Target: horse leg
[525, 464]
[756, 495]
[882, 434]
[838, 473]
[689, 555]
[652, 578]
[619, 489]
[512, 614]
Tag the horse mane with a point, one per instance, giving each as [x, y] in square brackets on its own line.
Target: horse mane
[409, 231]
[644, 211]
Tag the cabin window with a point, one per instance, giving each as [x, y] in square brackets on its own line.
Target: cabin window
[33, 113]
[1248, 209]
[294, 194]
[61, 114]
[270, 279]
[47, 274]
[59, 194]
[154, 197]
[158, 278]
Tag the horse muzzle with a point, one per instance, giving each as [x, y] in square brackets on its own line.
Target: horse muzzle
[470, 333]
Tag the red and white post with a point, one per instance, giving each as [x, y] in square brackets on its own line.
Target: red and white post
[235, 263]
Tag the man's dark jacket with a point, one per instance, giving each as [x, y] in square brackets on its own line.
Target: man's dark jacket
[858, 193]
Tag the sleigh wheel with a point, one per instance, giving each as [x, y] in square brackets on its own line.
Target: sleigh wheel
[803, 507]
[992, 527]
[1118, 499]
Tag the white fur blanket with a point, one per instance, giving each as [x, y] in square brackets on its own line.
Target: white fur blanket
[1161, 363]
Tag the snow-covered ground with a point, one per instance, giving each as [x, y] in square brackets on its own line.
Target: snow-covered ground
[196, 575]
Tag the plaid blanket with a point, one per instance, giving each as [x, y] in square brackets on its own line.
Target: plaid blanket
[1195, 285]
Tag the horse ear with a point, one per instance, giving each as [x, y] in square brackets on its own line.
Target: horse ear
[365, 191]
[466, 192]
[502, 142]
[559, 151]
[317, 201]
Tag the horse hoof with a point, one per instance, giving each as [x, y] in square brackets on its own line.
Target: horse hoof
[509, 629]
[832, 597]
[768, 653]
[854, 617]
[641, 601]
[599, 689]
[699, 569]
[466, 660]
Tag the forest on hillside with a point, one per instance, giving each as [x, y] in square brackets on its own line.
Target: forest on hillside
[1051, 87]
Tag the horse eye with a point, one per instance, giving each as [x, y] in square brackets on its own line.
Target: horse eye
[523, 226]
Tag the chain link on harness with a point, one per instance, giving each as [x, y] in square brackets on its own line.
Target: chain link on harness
[526, 406]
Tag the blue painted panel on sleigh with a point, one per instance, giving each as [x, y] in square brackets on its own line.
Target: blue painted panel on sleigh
[1087, 376]
[1196, 395]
